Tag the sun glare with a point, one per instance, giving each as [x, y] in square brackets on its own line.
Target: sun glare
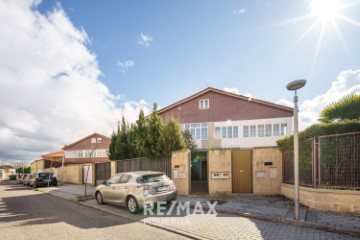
[325, 10]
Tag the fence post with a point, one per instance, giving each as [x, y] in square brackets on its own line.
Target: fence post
[314, 162]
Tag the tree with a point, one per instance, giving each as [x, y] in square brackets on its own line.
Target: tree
[141, 131]
[151, 137]
[346, 108]
[26, 170]
[189, 142]
[154, 128]
[171, 138]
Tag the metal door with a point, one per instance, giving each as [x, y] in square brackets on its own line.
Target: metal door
[241, 171]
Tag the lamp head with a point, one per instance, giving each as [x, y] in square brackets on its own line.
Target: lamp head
[295, 85]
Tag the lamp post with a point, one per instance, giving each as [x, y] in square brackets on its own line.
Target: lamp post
[294, 86]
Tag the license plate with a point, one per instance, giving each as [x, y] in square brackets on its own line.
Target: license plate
[162, 189]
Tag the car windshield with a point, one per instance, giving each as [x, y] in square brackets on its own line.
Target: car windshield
[152, 178]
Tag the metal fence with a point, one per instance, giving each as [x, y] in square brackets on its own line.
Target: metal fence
[144, 164]
[305, 165]
[326, 161]
[339, 164]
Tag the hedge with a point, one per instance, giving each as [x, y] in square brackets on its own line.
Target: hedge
[305, 138]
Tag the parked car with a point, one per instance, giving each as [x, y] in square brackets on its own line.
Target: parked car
[135, 190]
[27, 179]
[21, 179]
[42, 180]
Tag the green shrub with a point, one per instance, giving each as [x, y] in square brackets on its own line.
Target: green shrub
[306, 139]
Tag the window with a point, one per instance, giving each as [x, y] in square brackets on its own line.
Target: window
[236, 132]
[229, 134]
[125, 178]
[276, 130]
[261, 131]
[204, 133]
[217, 132]
[283, 129]
[93, 140]
[204, 104]
[114, 180]
[253, 131]
[98, 140]
[199, 131]
[268, 130]
[223, 132]
[246, 131]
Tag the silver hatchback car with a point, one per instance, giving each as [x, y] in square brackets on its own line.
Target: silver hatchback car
[135, 190]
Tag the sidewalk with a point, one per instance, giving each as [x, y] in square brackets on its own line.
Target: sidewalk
[274, 209]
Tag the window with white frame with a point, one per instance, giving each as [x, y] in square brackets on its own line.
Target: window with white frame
[199, 131]
[276, 130]
[93, 140]
[253, 131]
[268, 129]
[86, 153]
[246, 131]
[261, 130]
[223, 132]
[217, 132]
[204, 104]
[283, 129]
[99, 140]
[236, 132]
[230, 131]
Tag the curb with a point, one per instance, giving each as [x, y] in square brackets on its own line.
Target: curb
[288, 222]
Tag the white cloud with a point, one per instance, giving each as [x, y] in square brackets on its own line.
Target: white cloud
[239, 11]
[285, 102]
[50, 92]
[347, 82]
[237, 91]
[125, 65]
[232, 90]
[145, 39]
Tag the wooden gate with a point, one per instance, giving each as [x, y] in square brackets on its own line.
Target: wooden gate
[102, 172]
[241, 171]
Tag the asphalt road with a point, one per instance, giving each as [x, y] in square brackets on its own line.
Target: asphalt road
[29, 214]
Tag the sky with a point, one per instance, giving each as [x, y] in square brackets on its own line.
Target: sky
[71, 68]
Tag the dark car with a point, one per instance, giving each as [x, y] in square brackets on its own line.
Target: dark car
[42, 180]
[21, 179]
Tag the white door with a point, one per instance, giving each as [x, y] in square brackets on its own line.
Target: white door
[87, 170]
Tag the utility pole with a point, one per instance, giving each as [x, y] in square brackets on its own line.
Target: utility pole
[87, 172]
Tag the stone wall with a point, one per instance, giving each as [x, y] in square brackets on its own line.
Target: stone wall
[180, 161]
[219, 172]
[267, 171]
[345, 201]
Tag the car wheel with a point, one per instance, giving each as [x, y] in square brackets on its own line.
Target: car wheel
[99, 198]
[132, 205]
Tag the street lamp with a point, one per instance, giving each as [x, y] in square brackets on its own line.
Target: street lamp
[294, 86]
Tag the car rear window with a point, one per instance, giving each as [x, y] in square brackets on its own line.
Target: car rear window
[152, 178]
[45, 175]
